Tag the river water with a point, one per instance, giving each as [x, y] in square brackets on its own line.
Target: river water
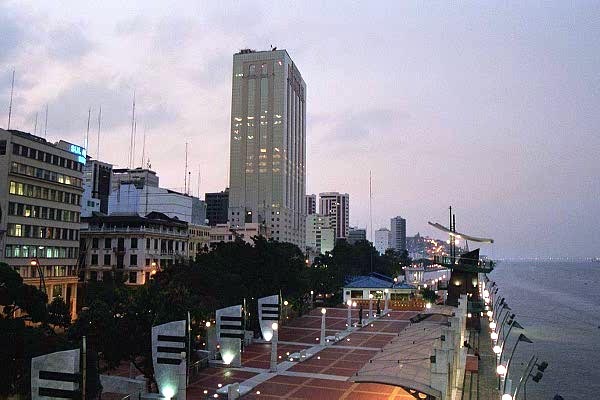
[558, 304]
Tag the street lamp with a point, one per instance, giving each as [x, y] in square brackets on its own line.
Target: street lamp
[275, 327]
[349, 321]
[35, 262]
[323, 312]
[521, 338]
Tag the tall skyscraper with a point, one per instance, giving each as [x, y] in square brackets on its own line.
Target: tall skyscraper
[382, 240]
[310, 204]
[398, 234]
[97, 185]
[337, 206]
[268, 145]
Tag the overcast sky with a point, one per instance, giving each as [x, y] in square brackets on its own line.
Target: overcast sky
[493, 108]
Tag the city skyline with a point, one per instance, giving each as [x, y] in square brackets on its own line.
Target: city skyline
[488, 109]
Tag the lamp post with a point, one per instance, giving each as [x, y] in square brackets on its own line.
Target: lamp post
[349, 320]
[323, 312]
[496, 305]
[386, 293]
[35, 262]
[506, 318]
[527, 374]
[521, 338]
[275, 327]
[370, 305]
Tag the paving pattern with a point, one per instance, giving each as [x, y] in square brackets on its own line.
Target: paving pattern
[324, 375]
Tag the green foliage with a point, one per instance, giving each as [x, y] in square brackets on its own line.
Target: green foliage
[59, 313]
[19, 300]
[429, 295]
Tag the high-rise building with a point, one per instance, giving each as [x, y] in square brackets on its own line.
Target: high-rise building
[97, 185]
[41, 185]
[320, 235]
[138, 176]
[217, 205]
[268, 145]
[382, 240]
[337, 206]
[310, 204]
[356, 235]
[398, 234]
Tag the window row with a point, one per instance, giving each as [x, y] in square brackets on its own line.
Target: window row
[50, 271]
[163, 244]
[21, 251]
[42, 232]
[44, 174]
[53, 159]
[30, 211]
[38, 192]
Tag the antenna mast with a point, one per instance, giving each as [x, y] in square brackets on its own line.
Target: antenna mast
[132, 128]
[87, 133]
[35, 125]
[185, 174]
[199, 180]
[12, 89]
[46, 125]
[144, 145]
[99, 123]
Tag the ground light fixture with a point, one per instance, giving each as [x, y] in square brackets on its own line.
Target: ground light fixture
[428, 306]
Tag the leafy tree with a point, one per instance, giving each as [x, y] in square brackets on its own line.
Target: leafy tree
[429, 295]
[59, 313]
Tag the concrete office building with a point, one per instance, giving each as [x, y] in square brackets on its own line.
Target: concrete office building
[398, 234]
[382, 240]
[217, 205]
[355, 235]
[198, 239]
[268, 145]
[97, 185]
[143, 199]
[139, 176]
[310, 204]
[337, 206]
[130, 247]
[225, 233]
[320, 235]
[41, 185]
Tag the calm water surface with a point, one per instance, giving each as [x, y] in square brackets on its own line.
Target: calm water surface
[558, 304]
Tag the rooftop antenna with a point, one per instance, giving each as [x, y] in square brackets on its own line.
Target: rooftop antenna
[132, 128]
[35, 124]
[12, 89]
[144, 145]
[185, 174]
[199, 180]
[99, 123]
[189, 187]
[87, 133]
[371, 216]
[133, 148]
[46, 124]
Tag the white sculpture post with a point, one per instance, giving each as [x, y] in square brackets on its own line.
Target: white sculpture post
[323, 312]
[268, 312]
[274, 339]
[370, 305]
[168, 357]
[230, 334]
[387, 296]
[349, 322]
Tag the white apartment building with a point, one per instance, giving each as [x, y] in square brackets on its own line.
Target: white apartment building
[382, 240]
[337, 206]
[320, 235]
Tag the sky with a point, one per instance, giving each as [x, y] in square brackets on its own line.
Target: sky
[491, 107]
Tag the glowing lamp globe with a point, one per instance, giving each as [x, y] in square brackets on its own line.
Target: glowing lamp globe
[494, 336]
[501, 369]
[323, 311]
[506, 396]
[497, 349]
[492, 325]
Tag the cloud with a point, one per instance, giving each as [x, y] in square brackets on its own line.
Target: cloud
[68, 43]
[11, 34]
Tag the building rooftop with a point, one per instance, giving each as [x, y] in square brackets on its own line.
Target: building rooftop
[376, 280]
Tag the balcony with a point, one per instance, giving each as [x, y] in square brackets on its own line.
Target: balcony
[135, 230]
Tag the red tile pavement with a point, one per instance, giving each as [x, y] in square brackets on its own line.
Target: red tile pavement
[210, 378]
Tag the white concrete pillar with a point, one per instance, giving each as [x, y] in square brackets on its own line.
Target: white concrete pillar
[349, 320]
[274, 339]
[322, 339]
[386, 294]
[370, 306]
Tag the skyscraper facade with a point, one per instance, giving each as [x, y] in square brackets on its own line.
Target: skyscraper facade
[382, 240]
[268, 145]
[310, 204]
[337, 206]
[398, 234]
[217, 205]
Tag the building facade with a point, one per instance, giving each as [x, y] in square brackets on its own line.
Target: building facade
[268, 145]
[198, 239]
[144, 199]
[355, 235]
[382, 240]
[129, 247]
[41, 185]
[217, 205]
[97, 185]
[320, 235]
[398, 234]
[225, 233]
[139, 176]
[310, 204]
[337, 206]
